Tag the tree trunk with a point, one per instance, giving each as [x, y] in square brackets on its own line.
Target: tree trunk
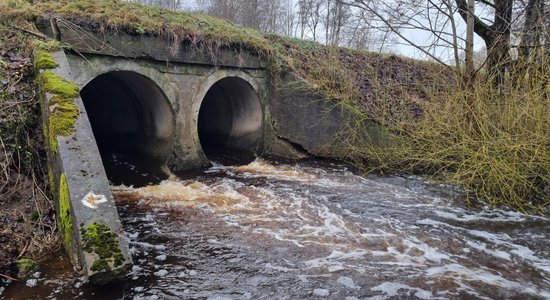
[532, 29]
[469, 51]
[496, 36]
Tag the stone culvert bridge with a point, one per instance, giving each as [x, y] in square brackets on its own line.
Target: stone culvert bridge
[171, 108]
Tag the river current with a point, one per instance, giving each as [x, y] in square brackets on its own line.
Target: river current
[311, 230]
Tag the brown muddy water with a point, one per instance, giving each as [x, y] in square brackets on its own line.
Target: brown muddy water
[311, 230]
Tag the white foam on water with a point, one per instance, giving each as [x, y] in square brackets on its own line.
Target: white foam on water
[461, 215]
[503, 241]
[467, 275]
[482, 247]
[348, 282]
[262, 168]
[391, 289]
[321, 292]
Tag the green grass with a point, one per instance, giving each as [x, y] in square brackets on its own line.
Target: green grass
[138, 19]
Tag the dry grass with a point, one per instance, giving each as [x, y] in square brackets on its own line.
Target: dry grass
[26, 210]
[493, 141]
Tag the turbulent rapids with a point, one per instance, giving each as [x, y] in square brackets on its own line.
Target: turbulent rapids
[316, 230]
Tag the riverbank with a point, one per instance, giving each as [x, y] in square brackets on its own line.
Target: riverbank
[26, 212]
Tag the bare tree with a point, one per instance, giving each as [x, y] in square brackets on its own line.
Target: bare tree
[533, 31]
[469, 51]
[337, 15]
[496, 36]
[309, 12]
[435, 17]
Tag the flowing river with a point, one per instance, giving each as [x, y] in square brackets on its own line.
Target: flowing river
[311, 230]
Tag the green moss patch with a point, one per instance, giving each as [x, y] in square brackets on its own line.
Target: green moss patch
[64, 218]
[43, 60]
[55, 84]
[61, 121]
[26, 266]
[63, 112]
[101, 240]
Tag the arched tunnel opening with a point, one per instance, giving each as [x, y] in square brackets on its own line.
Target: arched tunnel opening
[230, 122]
[133, 125]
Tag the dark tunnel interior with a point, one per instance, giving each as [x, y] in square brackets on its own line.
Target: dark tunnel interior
[230, 121]
[133, 126]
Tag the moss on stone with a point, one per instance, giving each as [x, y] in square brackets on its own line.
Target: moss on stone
[101, 240]
[55, 84]
[43, 60]
[26, 266]
[64, 218]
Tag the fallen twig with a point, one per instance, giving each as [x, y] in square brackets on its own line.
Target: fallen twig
[38, 34]
[8, 277]
[23, 251]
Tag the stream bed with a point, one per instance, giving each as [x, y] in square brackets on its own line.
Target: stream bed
[310, 230]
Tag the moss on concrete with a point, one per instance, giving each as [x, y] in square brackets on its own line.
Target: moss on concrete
[61, 121]
[102, 241]
[100, 265]
[48, 46]
[43, 60]
[64, 218]
[63, 112]
[55, 84]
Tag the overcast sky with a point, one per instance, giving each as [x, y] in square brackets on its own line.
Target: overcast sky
[417, 36]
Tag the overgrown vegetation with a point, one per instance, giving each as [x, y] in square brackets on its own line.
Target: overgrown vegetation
[26, 214]
[490, 139]
[64, 217]
[382, 87]
[137, 19]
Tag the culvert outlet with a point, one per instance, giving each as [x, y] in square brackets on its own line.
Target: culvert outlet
[230, 119]
[133, 124]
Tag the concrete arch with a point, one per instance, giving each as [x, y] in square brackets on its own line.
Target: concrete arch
[227, 113]
[130, 116]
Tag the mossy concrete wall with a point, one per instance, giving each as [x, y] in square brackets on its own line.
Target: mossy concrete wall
[79, 182]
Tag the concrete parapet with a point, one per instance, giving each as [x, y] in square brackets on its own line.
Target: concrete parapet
[86, 213]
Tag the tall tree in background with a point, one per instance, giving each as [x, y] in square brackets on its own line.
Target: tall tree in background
[469, 49]
[496, 36]
[337, 15]
[534, 34]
